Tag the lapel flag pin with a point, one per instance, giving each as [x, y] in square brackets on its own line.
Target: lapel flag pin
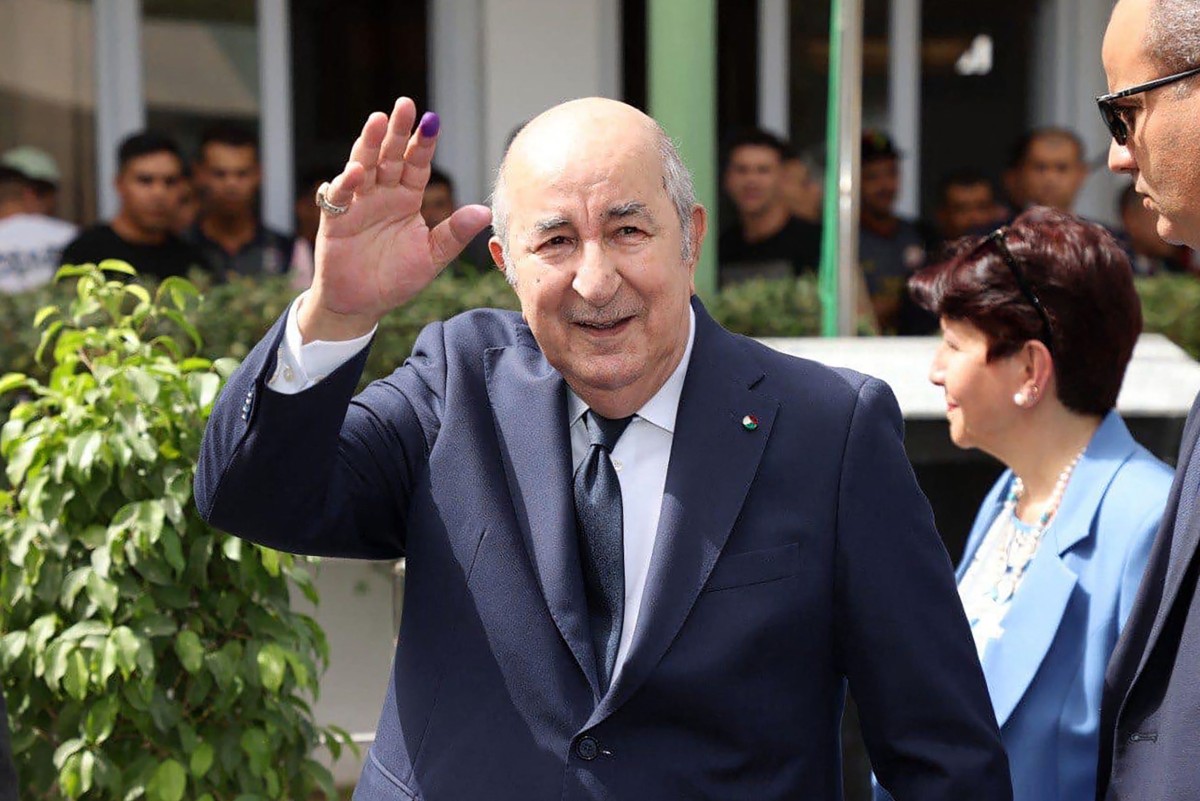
[749, 422]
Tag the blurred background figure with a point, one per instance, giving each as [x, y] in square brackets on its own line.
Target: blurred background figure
[228, 230]
[437, 205]
[1039, 322]
[890, 249]
[149, 184]
[802, 188]
[1049, 169]
[189, 203]
[767, 240]
[308, 219]
[1150, 253]
[966, 204]
[41, 170]
[31, 242]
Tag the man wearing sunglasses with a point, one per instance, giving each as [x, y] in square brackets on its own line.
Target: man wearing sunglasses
[1150, 715]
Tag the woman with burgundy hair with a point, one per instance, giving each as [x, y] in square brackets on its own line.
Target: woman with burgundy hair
[1039, 320]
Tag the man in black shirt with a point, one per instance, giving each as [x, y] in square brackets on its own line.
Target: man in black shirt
[229, 231]
[767, 241]
[150, 184]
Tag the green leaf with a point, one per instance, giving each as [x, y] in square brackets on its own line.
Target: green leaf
[108, 661]
[190, 650]
[102, 592]
[21, 458]
[257, 746]
[203, 388]
[84, 628]
[101, 718]
[127, 646]
[43, 314]
[12, 646]
[270, 561]
[202, 760]
[272, 664]
[56, 662]
[117, 266]
[223, 664]
[82, 451]
[168, 782]
[194, 363]
[66, 750]
[76, 679]
[87, 770]
[186, 326]
[150, 519]
[144, 385]
[11, 381]
[74, 583]
[47, 339]
[173, 550]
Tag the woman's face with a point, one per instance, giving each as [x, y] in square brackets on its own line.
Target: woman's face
[979, 394]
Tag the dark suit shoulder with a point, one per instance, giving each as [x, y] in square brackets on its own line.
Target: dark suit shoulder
[487, 328]
[787, 376]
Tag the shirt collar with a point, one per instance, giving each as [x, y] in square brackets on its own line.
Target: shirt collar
[661, 409]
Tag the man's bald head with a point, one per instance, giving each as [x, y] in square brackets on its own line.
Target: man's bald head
[1173, 34]
[592, 128]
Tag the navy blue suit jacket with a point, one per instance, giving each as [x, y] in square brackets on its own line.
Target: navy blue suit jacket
[789, 559]
[1150, 712]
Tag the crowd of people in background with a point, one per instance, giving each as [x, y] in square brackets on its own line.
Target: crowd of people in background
[175, 215]
[775, 226]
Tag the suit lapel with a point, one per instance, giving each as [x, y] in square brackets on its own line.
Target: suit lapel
[529, 402]
[1039, 605]
[1179, 554]
[698, 512]
[1011, 661]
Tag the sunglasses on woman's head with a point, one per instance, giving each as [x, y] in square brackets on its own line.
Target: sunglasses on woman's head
[997, 238]
[1119, 119]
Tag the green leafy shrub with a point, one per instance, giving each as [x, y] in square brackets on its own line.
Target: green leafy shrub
[1171, 306]
[142, 653]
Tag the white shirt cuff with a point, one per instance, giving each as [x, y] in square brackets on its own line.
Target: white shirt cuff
[299, 366]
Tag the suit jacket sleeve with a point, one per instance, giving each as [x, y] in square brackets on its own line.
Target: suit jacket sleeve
[321, 472]
[904, 642]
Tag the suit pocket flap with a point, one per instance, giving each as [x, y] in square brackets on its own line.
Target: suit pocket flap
[377, 782]
[754, 567]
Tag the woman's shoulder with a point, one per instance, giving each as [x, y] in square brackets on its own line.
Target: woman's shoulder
[1143, 472]
[1137, 495]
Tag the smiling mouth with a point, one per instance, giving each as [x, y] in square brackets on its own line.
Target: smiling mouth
[603, 326]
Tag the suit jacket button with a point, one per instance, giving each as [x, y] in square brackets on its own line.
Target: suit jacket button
[587, 749]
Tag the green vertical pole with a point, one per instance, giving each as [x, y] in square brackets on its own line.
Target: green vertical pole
[828, 275]
[682, 36]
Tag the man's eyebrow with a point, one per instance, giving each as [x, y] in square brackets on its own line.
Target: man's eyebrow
[634, 208]
[547, 224]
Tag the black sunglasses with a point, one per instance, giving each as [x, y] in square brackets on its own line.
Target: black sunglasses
[1119, 119]
[997, 237]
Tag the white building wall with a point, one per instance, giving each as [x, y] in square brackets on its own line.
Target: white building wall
[537, 53]
[1066, 78]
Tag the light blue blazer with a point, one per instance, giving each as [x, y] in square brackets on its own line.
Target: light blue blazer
[1046, 671]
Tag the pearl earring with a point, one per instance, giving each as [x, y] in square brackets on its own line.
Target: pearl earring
[1019, 398]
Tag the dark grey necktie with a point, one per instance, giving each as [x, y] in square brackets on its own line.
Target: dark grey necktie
[598, 513]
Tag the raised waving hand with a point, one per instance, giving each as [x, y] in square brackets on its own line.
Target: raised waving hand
[378, 253]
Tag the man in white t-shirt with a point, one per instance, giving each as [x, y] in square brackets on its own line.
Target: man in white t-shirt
[30, 243]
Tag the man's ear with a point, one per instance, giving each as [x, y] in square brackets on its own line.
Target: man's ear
[496, 248]
[699, 230]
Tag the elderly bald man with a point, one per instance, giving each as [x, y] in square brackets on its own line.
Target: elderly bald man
[645, 555]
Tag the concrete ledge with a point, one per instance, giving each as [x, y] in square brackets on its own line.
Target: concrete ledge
[1162, 380]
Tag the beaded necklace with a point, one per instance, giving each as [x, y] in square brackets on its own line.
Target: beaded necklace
[1021, 542]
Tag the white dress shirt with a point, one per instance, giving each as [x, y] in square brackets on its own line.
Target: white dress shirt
[640, 457]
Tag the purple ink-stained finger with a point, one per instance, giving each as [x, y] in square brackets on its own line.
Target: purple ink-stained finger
[430, 124]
